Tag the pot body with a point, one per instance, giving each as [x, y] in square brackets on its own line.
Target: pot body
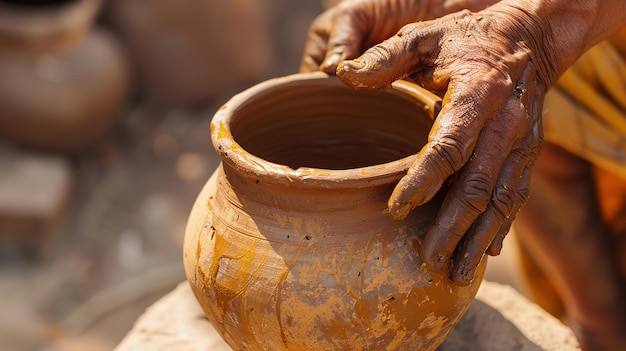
[63, 82]
[289, 246]
[186, 55]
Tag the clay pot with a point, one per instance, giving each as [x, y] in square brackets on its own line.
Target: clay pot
[63, 83]
[186, 55]
[290, 246]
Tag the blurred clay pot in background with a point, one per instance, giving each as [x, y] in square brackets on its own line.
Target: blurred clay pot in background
[186, 54]
[289, 246]
[330, 3]
[63, 83]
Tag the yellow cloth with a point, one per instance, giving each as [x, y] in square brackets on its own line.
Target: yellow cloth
[586, 112]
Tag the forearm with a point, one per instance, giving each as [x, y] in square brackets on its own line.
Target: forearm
[438, 8]
[602, 17]
[419, 10]
[587, 21]
[564, 29]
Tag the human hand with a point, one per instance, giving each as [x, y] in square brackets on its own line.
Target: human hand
[347, 29]
[487, 135]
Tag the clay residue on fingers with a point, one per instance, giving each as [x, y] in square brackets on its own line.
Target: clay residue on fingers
[361, 74]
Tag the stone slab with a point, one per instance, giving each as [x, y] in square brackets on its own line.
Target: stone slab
[499, 319]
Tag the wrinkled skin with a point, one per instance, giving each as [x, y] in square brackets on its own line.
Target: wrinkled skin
[347, 30]
[487, 135]
[493, 65]
[350, 28]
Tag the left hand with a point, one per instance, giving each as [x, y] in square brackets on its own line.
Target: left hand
[347, 29]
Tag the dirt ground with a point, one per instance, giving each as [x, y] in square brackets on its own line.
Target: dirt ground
[117, 248]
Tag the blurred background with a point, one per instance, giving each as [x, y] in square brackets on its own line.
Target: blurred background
[104, 145]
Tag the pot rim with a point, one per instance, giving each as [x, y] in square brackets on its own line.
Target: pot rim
[253, 166]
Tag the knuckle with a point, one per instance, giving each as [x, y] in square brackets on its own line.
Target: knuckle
[522, 195]
[523, 190]
[451, 151]
[380, 52]
[476, 192]
[503, 201]
[407, 29]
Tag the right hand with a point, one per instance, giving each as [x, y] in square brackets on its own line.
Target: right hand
[346, 30]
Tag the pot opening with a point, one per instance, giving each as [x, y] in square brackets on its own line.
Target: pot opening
[326, 125]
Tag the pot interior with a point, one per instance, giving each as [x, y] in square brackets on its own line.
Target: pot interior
[317, 124]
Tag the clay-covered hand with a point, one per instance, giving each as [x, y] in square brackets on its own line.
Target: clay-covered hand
[488, 134]
[346, 30]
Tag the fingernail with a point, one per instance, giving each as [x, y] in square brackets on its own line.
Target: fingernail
[463, 279]
[332, 62]
[463, 274]
[352, 65]
[400, 211]
[435, 261]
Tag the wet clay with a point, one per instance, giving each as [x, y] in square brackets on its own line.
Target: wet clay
[289, 246]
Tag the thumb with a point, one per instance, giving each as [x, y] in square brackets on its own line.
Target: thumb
[393, 59]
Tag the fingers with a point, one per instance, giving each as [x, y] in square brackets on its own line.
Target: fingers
[521, 196]
[314, 53]
[482, 120]
[343, 31]
[508, 196]
[343, 43]
[316, 43]
[394, 58]
[471, 193]
[334, 36]
[534, 143]
[451, 142]
[511, 191]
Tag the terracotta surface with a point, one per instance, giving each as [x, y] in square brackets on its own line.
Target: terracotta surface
[64, 83]
[289, 245]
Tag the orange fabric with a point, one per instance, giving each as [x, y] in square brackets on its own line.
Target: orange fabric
[573, 125]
